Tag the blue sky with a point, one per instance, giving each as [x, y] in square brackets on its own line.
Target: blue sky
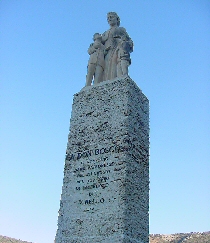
[43, 60]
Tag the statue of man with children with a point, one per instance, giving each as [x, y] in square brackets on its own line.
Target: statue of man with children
[109, 53]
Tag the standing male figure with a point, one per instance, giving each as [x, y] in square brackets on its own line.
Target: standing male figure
[110, 39]
[96, 62]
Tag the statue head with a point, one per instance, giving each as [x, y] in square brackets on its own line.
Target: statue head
[97, 36]
[113, 19]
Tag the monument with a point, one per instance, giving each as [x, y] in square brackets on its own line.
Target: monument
[105, 193]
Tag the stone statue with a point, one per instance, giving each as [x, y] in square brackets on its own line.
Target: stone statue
[110, 53]
[96, 62]
[123, 57]
[112, 38]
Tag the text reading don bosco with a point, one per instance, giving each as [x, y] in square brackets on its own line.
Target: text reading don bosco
[110, 149]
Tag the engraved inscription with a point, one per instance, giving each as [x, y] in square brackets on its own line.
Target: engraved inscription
[112, 149]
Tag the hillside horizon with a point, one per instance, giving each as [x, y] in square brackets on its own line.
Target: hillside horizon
[192, 237]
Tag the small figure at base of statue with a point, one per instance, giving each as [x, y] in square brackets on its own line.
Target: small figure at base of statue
[110, 53]
[96, 62]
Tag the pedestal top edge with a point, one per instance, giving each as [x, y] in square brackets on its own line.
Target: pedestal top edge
[107, 82]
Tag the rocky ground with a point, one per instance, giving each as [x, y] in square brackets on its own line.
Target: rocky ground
[181, 237]
[5, 239]
[154, 238]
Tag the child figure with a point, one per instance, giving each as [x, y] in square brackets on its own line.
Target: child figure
[96, 62]
[123, 57]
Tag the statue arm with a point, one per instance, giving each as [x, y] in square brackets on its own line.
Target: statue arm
[104, 37]
[129, 40]
[91, 49]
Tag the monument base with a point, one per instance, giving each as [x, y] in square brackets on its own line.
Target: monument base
[105, 193]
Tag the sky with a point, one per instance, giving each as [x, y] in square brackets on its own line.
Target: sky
[43, 63]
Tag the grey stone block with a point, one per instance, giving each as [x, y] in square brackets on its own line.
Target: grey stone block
[105, 193]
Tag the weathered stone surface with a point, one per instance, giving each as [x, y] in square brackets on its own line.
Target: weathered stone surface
[105, 194]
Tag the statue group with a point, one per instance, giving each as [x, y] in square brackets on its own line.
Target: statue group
[109, 53]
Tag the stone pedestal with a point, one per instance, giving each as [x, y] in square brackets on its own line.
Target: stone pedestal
[105, 193]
